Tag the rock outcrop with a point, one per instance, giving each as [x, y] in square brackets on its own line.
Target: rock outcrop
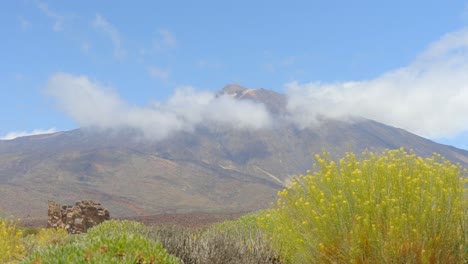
[78, 218]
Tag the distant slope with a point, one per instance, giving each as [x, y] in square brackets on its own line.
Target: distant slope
[211, 169]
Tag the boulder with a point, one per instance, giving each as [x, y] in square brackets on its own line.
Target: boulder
[76, 219]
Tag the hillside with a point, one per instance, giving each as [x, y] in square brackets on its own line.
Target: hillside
[213, 168]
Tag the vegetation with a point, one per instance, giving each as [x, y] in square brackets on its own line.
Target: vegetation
[389, 208]
[239, 241]
[392, 208]
[130, 242]
[11, 246]
[109, 242]
[36, 239]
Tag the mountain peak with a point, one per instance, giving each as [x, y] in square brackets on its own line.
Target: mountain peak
[233, 90]
[275, 102]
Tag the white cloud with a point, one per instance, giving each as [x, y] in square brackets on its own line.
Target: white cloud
[16, 134]
[197, 107]
[101, 23]
[166, 39]
[58, 25]
[428, 97]
[158, 73]
[93, 105]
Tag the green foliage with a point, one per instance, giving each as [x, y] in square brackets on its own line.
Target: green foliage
[118, 227]
[241, 239]
[109, 242]
[41, 238]
[238, 241]
[392, 208]
[27, 231]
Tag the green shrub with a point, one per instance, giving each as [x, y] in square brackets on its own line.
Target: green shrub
[118, 227]
[27, 231]
[42, 238]
[238, 240]
[392, 208]
[109, 242]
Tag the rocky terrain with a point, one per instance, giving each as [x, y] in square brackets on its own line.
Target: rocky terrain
[78, 218]
[212, 169]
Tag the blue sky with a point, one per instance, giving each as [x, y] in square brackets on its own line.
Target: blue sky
[66, 64]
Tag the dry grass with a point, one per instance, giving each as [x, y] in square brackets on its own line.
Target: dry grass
[229, 242]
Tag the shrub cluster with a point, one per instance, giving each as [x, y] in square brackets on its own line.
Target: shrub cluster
[392, 208]
[35, 239]
[11, 246]
[239, 241]
[109, 242]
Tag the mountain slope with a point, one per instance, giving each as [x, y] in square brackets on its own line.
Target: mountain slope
[213, 168]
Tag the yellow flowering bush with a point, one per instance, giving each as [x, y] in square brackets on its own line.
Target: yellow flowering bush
[11, 247]
[389, 208]
[45, 237]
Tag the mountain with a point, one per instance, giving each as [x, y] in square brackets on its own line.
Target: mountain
[212, 168]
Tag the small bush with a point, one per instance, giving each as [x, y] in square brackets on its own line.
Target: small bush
[239, 241]
[392, 208]
[178, 241]
[42, 238]
[118, 227]
[30, 231]
[243, 237]
[11, 247]
[109, 242]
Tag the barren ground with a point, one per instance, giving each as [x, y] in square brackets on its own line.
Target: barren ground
[193, 220]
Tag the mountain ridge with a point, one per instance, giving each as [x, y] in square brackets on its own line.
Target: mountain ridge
[212, 168]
